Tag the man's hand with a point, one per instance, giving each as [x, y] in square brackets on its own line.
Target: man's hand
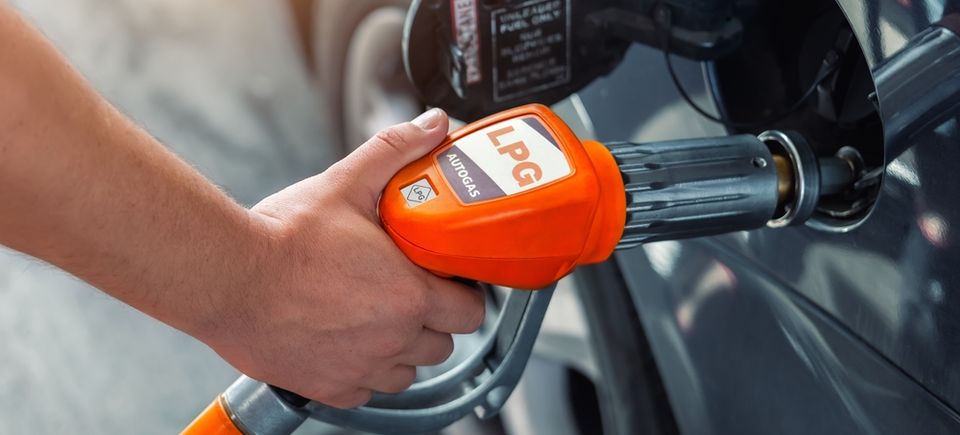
[305, 291]
[340, 312]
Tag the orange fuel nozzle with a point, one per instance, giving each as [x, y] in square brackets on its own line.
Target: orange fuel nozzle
[516, 199]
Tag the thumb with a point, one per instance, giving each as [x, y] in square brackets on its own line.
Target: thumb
[376, 161]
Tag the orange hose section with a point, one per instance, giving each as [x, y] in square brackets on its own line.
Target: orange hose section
[213, 421]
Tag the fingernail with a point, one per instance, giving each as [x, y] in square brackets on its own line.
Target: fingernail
[428, 120]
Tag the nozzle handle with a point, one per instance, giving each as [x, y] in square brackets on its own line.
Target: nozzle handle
[480, 384]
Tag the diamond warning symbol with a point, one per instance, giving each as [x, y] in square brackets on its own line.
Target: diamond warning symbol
[418, 193]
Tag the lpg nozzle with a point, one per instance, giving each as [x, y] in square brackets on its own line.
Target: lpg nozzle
[697, 187]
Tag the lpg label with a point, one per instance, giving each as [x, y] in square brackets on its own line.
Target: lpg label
[506, 158]
[531, 47]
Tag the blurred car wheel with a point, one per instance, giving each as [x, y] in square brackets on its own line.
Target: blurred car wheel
[359, 65]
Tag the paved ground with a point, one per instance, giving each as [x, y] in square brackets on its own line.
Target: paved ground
[220, 82]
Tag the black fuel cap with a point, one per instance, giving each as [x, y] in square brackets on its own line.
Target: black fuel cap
[477, 57]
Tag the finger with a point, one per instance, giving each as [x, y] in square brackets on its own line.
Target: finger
[453, 308]
[376, 161]
[351, 399]
[396, 379]
[430, 348]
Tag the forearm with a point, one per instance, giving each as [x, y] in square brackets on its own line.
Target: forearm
[85, 189]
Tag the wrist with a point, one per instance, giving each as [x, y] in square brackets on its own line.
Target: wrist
[225, 300]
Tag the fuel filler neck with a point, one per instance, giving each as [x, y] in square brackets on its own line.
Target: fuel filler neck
[700, 187]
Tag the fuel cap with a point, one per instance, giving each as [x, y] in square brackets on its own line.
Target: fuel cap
[477, 57]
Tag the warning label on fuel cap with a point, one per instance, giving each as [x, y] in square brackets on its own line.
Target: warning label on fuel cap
[467, 35]
[531, 47]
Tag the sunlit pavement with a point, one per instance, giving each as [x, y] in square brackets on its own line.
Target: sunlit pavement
[220, 82]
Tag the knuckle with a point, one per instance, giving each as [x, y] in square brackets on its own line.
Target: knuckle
[351, 399]
[474, 318]
[442, 351]
[394, 345]
[326, 392]
[359, 398]
[402, 379]
[407, 378]
[392, 138]
[352, 375]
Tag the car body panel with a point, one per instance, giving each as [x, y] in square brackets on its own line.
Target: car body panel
[809, 329]
[753, 356]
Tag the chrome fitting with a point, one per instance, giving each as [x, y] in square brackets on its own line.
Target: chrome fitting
[256, 408]
[801, 200]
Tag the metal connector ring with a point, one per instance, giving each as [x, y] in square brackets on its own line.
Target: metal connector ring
[806, 177]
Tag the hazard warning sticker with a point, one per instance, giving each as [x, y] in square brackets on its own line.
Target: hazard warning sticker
[503, 159]
[531, 47]
[418, 193]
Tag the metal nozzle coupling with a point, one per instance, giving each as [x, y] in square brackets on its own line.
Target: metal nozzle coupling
[699, 187]
[802, 178]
